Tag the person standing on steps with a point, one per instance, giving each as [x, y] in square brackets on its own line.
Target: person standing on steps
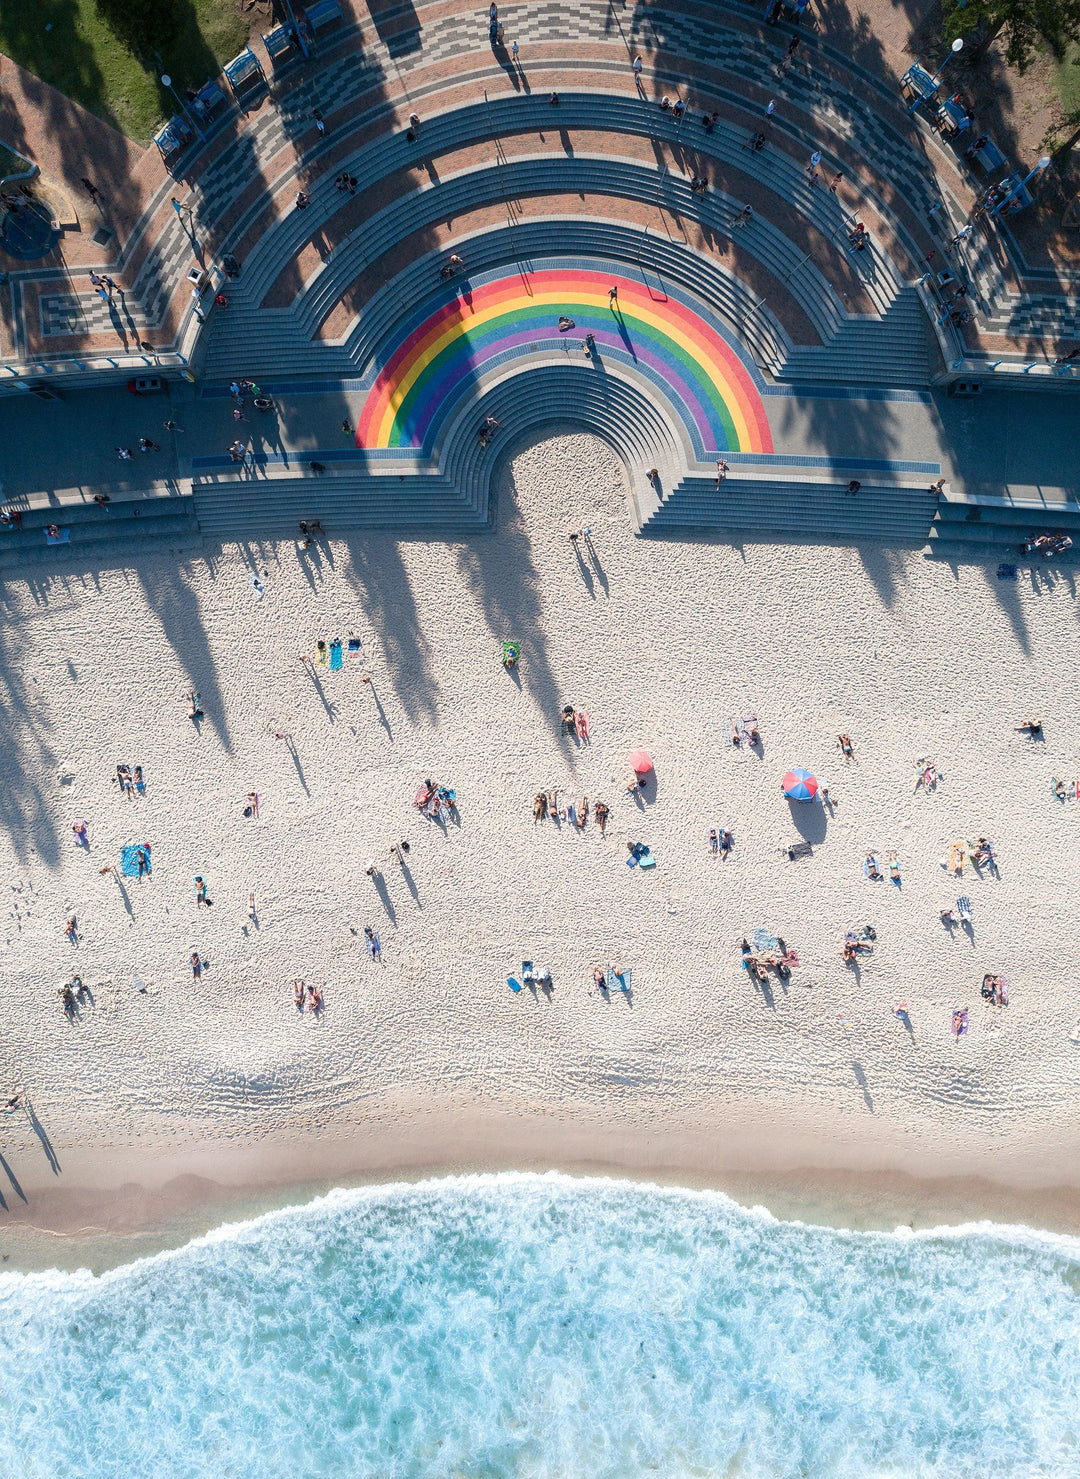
[320, 121]
[638, 64]
[854, 486]
[721, 473]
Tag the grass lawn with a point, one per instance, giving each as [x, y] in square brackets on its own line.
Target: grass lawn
[1067, 82]
[82, 58]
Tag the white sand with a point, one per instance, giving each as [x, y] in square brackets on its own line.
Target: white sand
[905, 654]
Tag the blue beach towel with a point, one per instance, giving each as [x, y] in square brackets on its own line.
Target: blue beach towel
[515, 986]
[648, 861]
[129, 859]
[335, 657]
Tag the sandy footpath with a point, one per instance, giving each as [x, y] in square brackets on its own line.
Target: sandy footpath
[660, 642]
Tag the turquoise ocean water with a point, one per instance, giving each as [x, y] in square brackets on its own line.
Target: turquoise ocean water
[523, 1325]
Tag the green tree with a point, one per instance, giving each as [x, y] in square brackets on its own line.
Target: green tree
[144, 26]
[1026, 25]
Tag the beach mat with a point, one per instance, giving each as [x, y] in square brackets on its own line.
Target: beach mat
[335, 657]
[129, 864]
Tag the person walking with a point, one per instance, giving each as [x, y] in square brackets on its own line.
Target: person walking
[638, 64]
[771, 109]
[301, 202]
[90, 188]
[613, 296]
[320, 122]
[514, 53]
[961, 235]
[834, 183]
[745, 216]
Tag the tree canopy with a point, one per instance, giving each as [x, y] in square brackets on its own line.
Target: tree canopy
[1026, 24]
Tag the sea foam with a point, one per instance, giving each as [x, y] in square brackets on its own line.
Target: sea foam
[549, 1328]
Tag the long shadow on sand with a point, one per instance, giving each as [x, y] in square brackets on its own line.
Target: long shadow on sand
[502, 575]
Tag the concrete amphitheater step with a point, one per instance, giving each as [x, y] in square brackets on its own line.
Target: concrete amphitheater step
[476, 186]
[787, 507]
[95, 535]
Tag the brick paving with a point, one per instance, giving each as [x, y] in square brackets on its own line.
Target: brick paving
[366, 80]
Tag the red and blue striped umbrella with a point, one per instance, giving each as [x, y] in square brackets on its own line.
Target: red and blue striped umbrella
[799, 785]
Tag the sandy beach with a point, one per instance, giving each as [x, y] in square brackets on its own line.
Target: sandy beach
[427, 1060]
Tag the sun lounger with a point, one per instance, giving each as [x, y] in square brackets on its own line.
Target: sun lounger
[963, 908]
[335, 657]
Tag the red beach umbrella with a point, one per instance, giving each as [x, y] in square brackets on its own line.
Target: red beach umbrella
[799, 785]
[639, 762]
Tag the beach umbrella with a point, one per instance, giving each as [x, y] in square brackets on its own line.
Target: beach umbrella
[799, 785]
[639, 762]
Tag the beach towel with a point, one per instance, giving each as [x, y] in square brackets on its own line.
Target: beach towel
[514, 985]
[1005, 571]
[894, 868]
[374, 947]
[583, 726]
[623, 981]
[355, 649]
[129, 859]
[140, 784]
[631, 861]
[956, 858]
[511, 651]
[727, 734]
[335, 657]
[799, 850]
[647, 860]
[963, 908]
[321, 655]
[866, 866]
[960, 1023]
[764, 943]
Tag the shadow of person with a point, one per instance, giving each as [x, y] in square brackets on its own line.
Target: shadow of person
[384, 897]
[860, 1079]
[46, 1144]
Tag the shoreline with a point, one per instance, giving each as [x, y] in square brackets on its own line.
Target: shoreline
[111, 1206]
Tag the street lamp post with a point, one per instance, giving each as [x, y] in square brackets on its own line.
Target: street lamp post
[954, 50]
[1038, 169]
[166, 81]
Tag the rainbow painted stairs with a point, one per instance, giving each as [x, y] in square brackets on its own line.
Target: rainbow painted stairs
[642, 363]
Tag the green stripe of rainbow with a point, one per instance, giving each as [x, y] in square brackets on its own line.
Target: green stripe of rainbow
[446, 348]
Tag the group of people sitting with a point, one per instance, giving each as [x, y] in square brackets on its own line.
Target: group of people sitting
[575, 722]
[130, 781]
[995, 990]
[721, 841]
[1048, 545]
[312, 995]
[546, 804]
[858, 942]
[759, 964]
[858, 236]
[433, 800]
